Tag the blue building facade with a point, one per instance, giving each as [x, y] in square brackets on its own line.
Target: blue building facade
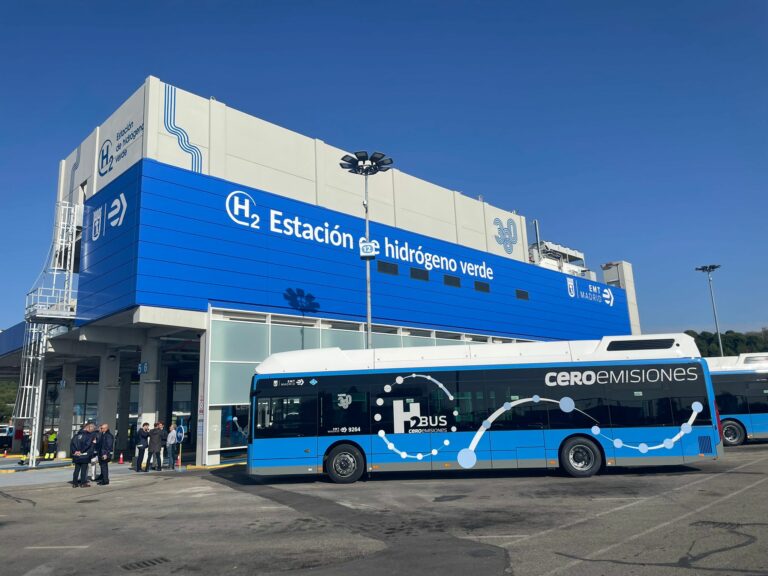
[163, 236]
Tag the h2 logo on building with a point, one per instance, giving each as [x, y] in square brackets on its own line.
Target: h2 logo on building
[106, 159]
[241, 209]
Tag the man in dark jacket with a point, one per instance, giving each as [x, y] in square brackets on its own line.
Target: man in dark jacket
[82, 449]
[104, 450]
[156, 437]
[142, 443]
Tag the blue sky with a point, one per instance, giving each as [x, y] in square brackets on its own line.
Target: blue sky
[631, 130]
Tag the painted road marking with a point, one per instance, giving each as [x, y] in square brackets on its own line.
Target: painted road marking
[654, 529]
[67, 547]
[636, 502]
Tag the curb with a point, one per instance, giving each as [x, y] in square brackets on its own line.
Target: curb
[37, 469]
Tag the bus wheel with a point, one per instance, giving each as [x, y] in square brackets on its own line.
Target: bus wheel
[345, 464]
[580, 457]
[733, 433]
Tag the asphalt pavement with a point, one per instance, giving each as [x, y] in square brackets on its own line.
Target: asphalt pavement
[704, 519]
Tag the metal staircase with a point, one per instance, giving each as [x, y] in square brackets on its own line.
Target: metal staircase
[51, 305]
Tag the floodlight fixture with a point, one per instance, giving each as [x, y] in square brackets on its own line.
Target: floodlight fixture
[708, 269]
[364, 165]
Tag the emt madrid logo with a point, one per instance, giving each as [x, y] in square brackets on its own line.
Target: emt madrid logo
[114, 216]
[591, 292]
[507, 235]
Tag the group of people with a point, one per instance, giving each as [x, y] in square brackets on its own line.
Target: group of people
[89, 445]
[155, 440]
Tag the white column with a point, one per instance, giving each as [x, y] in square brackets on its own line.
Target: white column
[66, 408]
[148, 382]
[199, 412]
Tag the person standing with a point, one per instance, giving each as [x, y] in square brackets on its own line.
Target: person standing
[155, 446]
[170, 446]
[142, 443]
[93, 464]
[105, 452]
[53, 439]
[82, 449]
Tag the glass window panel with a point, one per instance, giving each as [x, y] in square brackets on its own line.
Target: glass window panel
[640, 404]
[472, 402]
[386, 340]
[344, 339]
[239, 341]
[286, 417]
[288, 338]
[182, 398]
[730, 395]
[345, 411]
[757, 394]
[448, 342]
[234, 426]
[230, 383]
[509, 385]
[412, 341]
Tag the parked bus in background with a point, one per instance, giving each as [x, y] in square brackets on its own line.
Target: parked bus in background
[741, 394]
[579, 406]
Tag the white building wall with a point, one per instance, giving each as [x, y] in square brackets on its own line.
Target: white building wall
[206, 136]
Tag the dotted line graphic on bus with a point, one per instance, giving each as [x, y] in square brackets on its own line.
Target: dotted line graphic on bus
[668, 443]
[467, 457]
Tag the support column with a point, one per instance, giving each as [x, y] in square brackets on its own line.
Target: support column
[123, 409]
[66, 408]
[199, 412]
[109, 386]
[162, 396]
[148, 382]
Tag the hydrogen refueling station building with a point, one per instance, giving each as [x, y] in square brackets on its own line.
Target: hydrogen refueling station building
[192, 240]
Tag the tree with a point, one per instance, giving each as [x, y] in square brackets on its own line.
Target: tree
[734, 343]
[7, 400]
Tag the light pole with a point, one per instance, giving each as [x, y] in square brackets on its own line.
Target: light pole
[365, 165]
[709, 268]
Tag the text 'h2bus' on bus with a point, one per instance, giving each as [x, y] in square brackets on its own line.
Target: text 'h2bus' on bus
[741, 393]
[579, 405]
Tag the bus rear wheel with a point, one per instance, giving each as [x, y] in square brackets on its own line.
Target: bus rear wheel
[345, 464]
[733, 433]
[580, 457]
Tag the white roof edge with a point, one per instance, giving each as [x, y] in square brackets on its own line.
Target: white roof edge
[335, 359]
[745, 361]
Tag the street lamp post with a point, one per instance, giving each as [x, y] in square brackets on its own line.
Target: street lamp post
[709, 268]
[365, 166]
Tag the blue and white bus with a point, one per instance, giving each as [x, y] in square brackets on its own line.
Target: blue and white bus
[581, 405]
[741, 393]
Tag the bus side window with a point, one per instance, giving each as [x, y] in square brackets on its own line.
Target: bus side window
[439, 403]
[757, 392]
[286, 417]
[344, 410]
[472, 402]
[730, 395]
[510, 385]
[640, 404]
[684, 394]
